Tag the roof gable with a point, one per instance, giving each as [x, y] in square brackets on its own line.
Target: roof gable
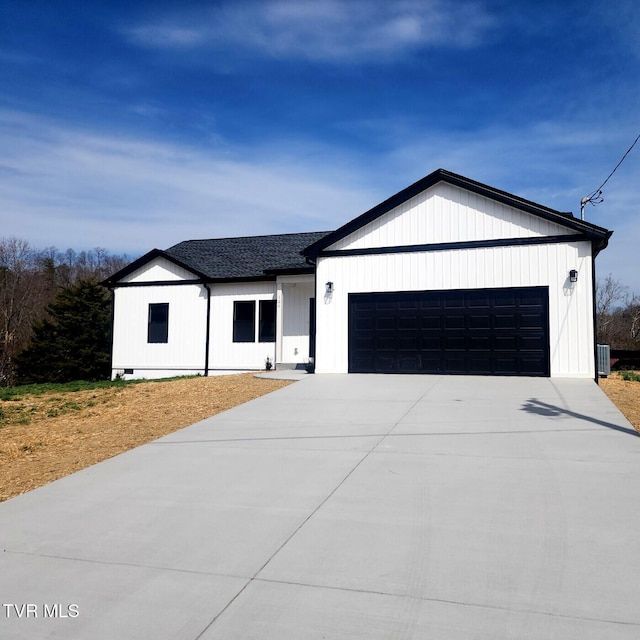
[444, 213]
[129, 273]
[402, 201]
[228, 259]
[160, 269]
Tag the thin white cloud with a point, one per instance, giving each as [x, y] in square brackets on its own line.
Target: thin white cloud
[76, 189]
[322, 30]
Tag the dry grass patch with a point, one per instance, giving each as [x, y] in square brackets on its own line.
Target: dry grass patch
[625, 394]
[45, 437]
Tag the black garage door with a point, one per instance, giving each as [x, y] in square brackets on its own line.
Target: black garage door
[472, 331]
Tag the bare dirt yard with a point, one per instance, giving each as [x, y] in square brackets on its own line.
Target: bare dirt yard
[625, 394]
[45, 437]
[48, 436]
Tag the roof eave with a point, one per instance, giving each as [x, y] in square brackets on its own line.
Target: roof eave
[290, 271]
[112, 281]
[601, 243]
[237, 279]
[442, 175]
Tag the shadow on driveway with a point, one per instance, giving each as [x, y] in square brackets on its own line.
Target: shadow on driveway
[552, 411]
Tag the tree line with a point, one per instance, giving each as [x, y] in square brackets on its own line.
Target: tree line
[54, 316]
[617, 315]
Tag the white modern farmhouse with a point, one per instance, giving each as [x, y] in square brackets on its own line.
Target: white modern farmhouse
[447, 276]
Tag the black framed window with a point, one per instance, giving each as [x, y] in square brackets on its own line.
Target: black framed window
[267, 322]
[244, 321]
[158, 326]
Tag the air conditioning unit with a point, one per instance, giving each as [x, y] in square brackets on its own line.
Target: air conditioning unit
[604, 360]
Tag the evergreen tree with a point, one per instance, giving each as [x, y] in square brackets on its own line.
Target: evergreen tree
[30, 278]
[74, 341]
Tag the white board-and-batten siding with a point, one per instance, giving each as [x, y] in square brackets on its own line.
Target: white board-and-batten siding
[224, 353]
[159, 270]
[445, 213]
[184, 351]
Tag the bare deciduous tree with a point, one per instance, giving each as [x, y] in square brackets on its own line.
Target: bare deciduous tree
[618, 314]
[609, 295]
[30, 280]
[20, 301]
[633, 313]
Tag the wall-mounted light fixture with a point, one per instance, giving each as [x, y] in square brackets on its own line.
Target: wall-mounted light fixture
[329, 287]
[573, 275]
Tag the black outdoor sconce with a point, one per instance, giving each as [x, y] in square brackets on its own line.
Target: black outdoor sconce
[573, 275]
[329, 287]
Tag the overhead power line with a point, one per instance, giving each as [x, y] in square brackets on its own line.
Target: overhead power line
[596, 196]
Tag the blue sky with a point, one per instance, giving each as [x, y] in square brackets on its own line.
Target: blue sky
[137, 125]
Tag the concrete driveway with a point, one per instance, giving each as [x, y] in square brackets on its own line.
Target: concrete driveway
[348, 507]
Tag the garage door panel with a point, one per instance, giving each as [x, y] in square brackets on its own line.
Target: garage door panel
[488, 331]
[431, 342]
[480, 363]
[408, 304]
[479, 301]
[505, 365]
[455, 362]
[426, 304]
[479, 343]
[409, 343]
[385, 364]
[528, 298]
[434, 322]
[455, 321]
[477, 321]
[432, 362]
[385, 343]
[505, 343]
[503, 298]
[385, 324]
[408, 363]
[407, 323]
[364, 324]
[455, 301]
[532, 343]
[529, 366]
[454, 343]
[364, 361]
[530, 320]
[505, 321]
[364, 344]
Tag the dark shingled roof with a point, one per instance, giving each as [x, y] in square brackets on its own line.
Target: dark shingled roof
[249, 257]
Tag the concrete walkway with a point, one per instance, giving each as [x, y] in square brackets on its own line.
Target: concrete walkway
[371, 507]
